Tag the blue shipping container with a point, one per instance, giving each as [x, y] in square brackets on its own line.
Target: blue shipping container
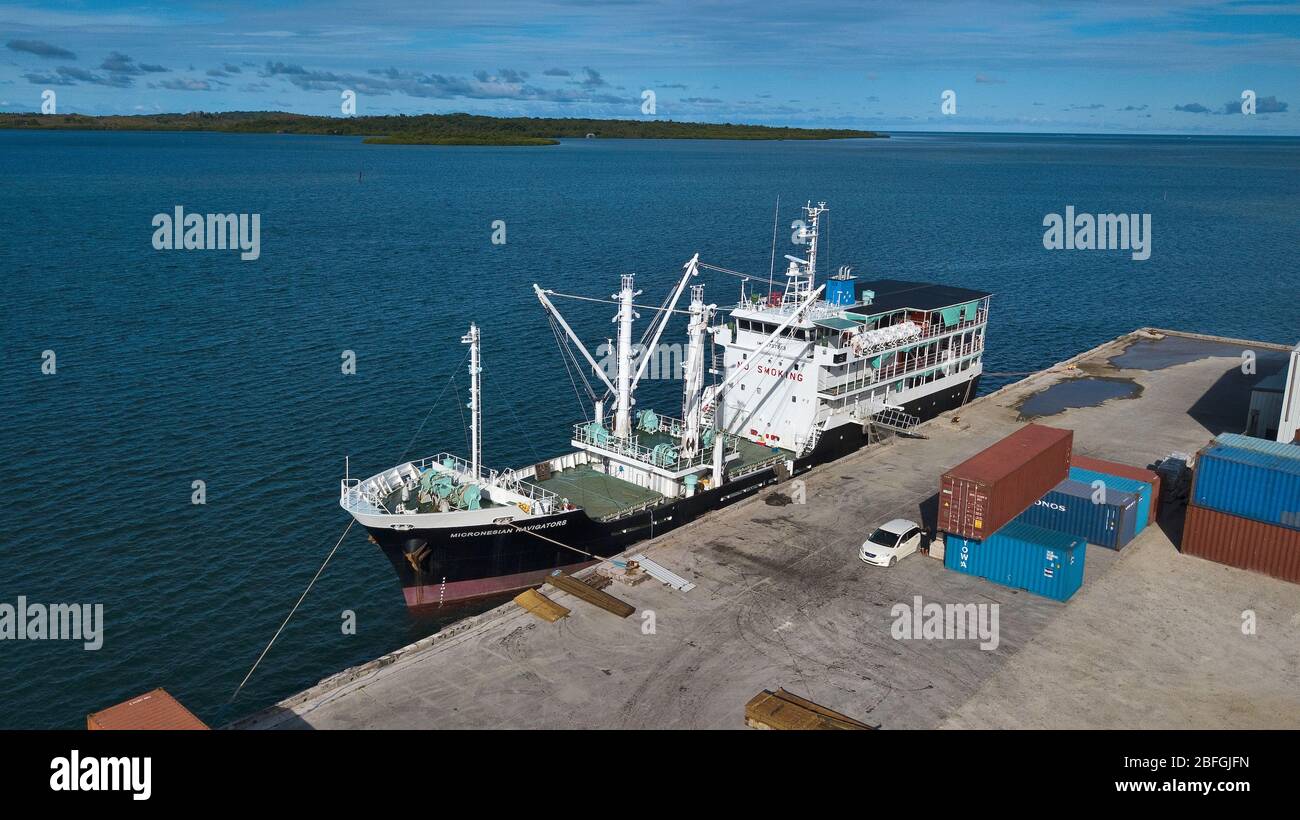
[1249, 483]
[1023, 556]
[1262, 445]
[1121, 484]
[1069, 508]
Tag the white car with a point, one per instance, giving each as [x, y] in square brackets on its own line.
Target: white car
[890, 542]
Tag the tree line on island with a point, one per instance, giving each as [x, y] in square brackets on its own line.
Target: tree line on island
[427, 129]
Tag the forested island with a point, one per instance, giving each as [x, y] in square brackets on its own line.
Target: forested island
[426, 129]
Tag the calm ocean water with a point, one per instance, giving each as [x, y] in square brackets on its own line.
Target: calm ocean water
[176, 366]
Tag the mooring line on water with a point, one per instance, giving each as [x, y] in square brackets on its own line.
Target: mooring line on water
[303, 597]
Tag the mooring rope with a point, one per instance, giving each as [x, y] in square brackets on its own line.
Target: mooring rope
[436, 402]
[292, 611]
[556, 543]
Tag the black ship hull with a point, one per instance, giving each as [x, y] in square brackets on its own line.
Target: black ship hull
[454, 565]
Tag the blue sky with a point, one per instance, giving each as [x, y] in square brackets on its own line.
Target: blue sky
[1166, 67]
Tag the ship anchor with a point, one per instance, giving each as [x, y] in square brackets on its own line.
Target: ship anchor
[416, 558]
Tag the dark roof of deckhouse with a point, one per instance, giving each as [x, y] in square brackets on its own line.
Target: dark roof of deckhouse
[896, 294]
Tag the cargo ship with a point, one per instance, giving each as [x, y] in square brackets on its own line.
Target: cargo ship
[797, 376]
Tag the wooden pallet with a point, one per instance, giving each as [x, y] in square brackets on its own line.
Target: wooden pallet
[782, 710]
[541, 606]
[591, 595]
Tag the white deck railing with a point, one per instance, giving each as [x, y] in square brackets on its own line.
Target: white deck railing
[368, 496]
[852, 381]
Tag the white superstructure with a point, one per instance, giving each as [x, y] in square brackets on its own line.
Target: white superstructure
[854, 357]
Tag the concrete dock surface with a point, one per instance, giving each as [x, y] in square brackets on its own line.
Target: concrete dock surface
[1154, 639]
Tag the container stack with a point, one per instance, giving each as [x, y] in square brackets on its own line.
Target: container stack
[1244, 509]
[1103, 502]
[980, 500]
[1115, 469]
[1147, 489]
[1074, 507]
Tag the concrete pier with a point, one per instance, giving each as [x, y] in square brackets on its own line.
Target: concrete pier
[1153, 640]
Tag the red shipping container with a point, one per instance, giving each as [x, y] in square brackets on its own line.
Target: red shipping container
[1242, 542]
[1098, 465]
[992, 487]
[152, 710]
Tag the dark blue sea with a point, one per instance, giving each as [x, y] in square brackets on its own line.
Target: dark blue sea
[177, 366]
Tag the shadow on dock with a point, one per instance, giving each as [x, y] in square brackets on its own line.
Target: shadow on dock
[1223, 408]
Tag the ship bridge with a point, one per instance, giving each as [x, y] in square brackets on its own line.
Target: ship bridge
[869, 347]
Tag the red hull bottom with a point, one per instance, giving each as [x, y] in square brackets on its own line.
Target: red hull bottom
[434, 595]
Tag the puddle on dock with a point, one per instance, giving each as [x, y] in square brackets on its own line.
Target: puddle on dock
[1157, 354]
[1086, 392]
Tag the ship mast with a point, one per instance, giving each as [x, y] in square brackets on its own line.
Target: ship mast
[475, 400]
[623, 396]
[693, 377]
[802, 272]
[623, 386]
